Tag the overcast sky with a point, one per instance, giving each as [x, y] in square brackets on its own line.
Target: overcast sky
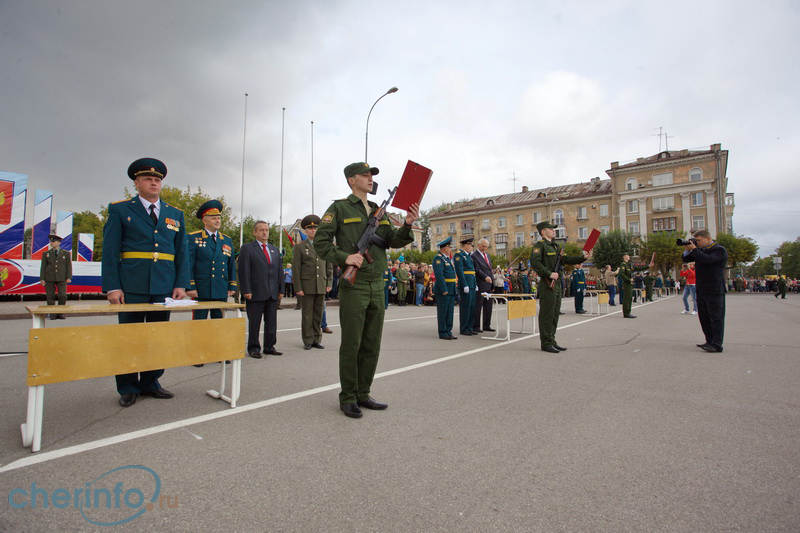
[551, 92]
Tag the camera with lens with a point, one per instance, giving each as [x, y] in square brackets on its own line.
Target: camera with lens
[686, 242]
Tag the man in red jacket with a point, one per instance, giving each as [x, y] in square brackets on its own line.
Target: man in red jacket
[689, 288]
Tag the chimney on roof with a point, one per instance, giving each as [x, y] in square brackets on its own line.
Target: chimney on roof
[716, 147]
[615, 164]
[639, 160]
[684, 152]
[524, 188]
[596, 182]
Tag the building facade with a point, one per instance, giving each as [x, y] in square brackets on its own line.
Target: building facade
[669, 191]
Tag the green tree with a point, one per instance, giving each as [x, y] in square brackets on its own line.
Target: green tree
[610, 248]
[740, 249]
[88, 222]
[571, 249]
[763, 266]
[668, 254]
[789, 253]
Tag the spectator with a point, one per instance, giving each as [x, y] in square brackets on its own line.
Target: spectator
[610, 279]
[710, 260]
[689, 289]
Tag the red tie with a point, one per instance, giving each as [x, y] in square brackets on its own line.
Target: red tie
[486, 258]
[266, 252]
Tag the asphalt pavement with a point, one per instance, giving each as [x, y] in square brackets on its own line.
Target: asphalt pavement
[633, 428]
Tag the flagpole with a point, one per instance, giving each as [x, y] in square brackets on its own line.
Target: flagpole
[241, 204]
[280, 221]
[312, 167]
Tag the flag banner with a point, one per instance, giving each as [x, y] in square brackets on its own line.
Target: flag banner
[42, 215]
[85, 247]
[22, 277]
[64, 221]
[13, 193]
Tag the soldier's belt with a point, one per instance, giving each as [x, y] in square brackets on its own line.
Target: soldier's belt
[155, 256]
[469, 272]
[448, 280]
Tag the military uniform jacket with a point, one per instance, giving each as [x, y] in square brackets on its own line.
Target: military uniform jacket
[465, 270]
[56, 266]
[212, 264]
[578, 280]
[445, 275]
[345, 221]
[402, 276]
[544, 256]
[310, 273]
[648, 281]
[140, 256]
[626, 271]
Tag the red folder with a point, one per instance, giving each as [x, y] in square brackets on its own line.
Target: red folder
[412, 186]
[590, 242]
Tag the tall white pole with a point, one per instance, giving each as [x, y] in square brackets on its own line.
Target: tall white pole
[280, 220]
[241, 204]
[312, 167]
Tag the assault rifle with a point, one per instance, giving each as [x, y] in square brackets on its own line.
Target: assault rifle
[368, 238]
[558, 268]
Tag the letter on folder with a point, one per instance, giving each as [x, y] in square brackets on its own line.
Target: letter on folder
[412, 186]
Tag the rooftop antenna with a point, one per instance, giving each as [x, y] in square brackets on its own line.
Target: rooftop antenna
[659, 135]
[666, 140]
[514, 180]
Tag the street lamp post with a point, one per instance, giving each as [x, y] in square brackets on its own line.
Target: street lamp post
[366, 134]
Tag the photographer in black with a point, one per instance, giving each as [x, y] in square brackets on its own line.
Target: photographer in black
[710, 260]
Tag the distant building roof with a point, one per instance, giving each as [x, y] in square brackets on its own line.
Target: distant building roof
[595, 187]
[666, 156]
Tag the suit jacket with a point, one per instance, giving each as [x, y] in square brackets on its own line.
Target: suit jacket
[256, 276]
[56, 266]
[482, 269]
[709, 267]
[310, 273]
[212, 265]
[130, 231]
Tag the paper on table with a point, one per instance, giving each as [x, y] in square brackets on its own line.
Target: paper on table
[170, 302]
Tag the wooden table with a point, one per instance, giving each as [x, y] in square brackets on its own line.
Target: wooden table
[71, 353]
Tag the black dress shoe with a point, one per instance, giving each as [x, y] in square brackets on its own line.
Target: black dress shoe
[255, 355]
[351, 410]
[272, 351]
[126, 400]
[581, 312]
[549, 349]
[452, 338]
[559, 348]
[307, 346]
[444, 337]
[630, 316]
[474, 331]
[161, 394]
[466, 333]
[712, 348]
[318, 346]
[704, 345]
[371, 403]
[198, 366]
[489, 329]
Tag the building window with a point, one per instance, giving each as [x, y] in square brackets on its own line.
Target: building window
[583, 233]
[561, 233]
[558, 217]
[582, 213]
[662, 179]
[501, 237]
[664, 224]
[633, 206]
[698, 222]
[485, 224]
[603, 210]
[695, 174]
[697, 198]
[501, 222]
[631, 184]
[466, 227]
[663, 203]
[520, 220]
[537, 217]
[633, 227]
[452, 227]
[520, 241]
[438, 229]
[605, 229]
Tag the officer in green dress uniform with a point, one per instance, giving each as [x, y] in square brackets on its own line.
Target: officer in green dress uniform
[55, 273]
[465, 273]
[313, 279]
[649, 280]
[544, 256]
[145, 260]
[579, 288]
[444, 288]
[781, 288]
[626, 271]
[361, 306]
[211, 262]
[402, 277]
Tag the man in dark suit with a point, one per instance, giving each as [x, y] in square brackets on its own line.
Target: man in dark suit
[261, 285]
[144, 261]
[710, 260]
[56, 273]
[483, 277]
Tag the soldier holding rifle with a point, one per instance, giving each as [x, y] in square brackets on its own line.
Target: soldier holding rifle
[351, 230]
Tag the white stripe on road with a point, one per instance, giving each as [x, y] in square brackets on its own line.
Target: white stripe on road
[125, 437]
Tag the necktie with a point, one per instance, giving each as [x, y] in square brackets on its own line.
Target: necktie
[153, 213]
[486, 257]
[266, 252]
[214, 237]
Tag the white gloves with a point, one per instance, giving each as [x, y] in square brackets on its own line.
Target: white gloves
[466, 290]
